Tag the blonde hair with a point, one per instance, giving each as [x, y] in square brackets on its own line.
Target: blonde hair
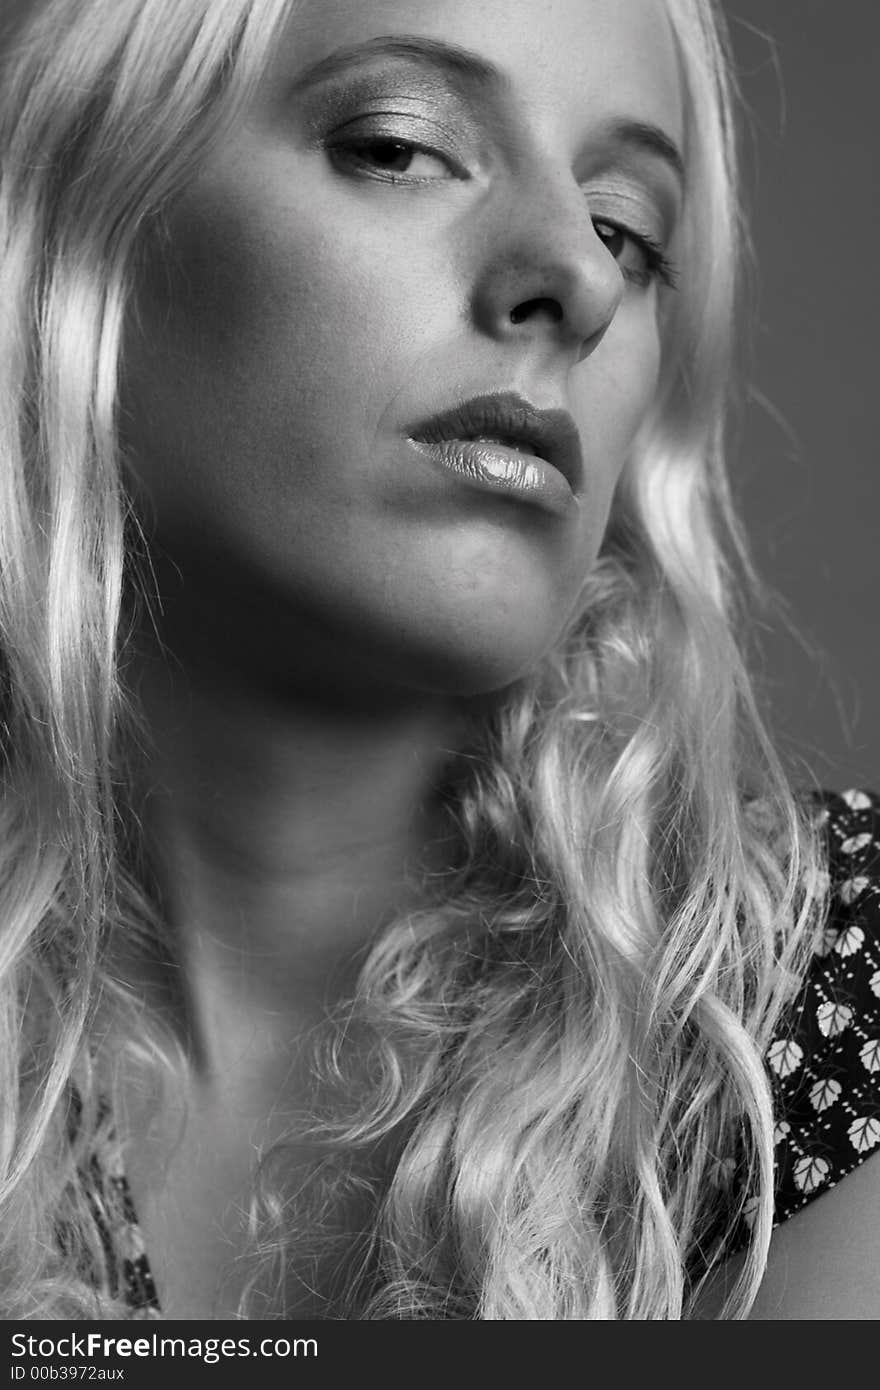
[567, 1037]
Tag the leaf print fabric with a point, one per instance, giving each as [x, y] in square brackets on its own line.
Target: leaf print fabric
[824, 1062]
[785, 1056]
[849, 941]
[857, 800]
[833, 1018]
[811, 1173]
[870, 1054]
[853, 888]
[864, 1134]
[117, 1260]
[823, 1094]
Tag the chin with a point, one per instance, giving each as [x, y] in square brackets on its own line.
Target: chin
[468, 632]
[464, 657]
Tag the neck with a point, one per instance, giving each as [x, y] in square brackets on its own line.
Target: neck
[286, 831]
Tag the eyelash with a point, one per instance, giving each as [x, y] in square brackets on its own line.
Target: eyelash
[347, 150]
[657, 264]
[658, 267]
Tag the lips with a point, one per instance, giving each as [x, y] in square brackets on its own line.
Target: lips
[513, 422]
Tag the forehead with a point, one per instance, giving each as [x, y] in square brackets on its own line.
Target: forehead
[584, 59]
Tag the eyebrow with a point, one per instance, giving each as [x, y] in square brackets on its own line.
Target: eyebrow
[649, 139]
[461, 63]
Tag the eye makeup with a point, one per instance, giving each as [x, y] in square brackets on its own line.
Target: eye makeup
[402, 101]
[627, 205]
[631, 172]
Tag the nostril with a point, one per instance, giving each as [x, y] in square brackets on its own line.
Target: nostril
[530, 307]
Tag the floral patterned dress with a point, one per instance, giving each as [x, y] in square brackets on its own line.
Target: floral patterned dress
[823, 1063]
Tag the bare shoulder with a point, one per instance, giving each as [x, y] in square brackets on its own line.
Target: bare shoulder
[824, 1262]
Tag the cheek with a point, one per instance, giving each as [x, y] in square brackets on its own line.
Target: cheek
[613, 392]
[255, 308]
[279, 292]
[262, 332]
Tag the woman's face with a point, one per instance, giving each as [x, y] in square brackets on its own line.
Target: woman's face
[386, 368]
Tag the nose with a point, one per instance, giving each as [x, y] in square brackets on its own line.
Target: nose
[544, 275]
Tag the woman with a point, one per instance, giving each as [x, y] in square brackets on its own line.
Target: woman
[404, 912]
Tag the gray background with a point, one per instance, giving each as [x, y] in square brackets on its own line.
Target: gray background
[804, 458]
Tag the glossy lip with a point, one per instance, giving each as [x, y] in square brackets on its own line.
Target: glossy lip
[548, 435]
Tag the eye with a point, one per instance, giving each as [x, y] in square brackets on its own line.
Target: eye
[641, 259]
[389, 157]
